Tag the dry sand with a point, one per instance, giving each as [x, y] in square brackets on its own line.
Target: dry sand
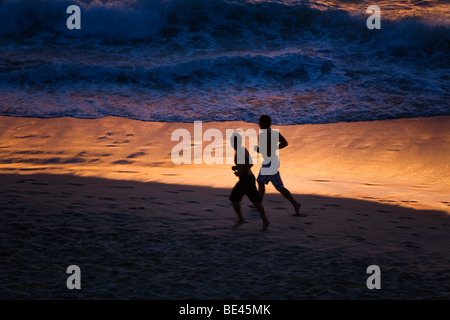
[104, 195]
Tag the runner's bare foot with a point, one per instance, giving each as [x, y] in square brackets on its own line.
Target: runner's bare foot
[301, 215]
[237, 224]
[297, 209]
[265, 225]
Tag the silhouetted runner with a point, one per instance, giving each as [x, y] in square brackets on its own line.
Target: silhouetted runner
[246, 184]
[264, 123]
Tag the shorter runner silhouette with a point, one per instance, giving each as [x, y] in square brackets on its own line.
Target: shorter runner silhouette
[246, 184]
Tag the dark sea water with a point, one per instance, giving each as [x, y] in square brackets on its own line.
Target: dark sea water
[206, 60]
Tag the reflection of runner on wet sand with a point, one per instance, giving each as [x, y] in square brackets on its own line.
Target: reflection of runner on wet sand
[264, 123]
[246, 184]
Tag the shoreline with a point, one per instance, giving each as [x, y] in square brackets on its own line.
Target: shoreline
[402, 161]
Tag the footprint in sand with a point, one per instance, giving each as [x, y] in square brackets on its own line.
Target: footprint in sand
[103, 138]
[26, 137]
[357, 238]
[275, 201]
[136, 154]
[122, 162]
[280, 208]
[209, 210]
[192, 201]
[187, 214]
[76, 184]
[411, 245]
[384, 211]
[122, 187]
[74, 160]
[25, 180]
[403, 227]
[136, 208]
[185, 190]
[28, 152]
[168, 191]
[331, 205]
[79, 204]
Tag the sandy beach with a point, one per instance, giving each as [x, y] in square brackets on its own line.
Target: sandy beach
[104, 194]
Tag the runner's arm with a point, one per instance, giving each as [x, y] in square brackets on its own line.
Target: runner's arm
[283, 142]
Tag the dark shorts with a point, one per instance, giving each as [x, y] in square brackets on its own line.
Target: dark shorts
[245, 186]
[274, 178]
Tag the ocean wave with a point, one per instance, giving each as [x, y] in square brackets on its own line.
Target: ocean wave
[221, 20]
[227, 70]
[186, 60]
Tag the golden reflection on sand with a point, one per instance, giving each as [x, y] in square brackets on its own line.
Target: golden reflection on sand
[405, 162]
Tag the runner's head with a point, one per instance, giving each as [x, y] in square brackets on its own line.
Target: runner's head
[265, 121]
